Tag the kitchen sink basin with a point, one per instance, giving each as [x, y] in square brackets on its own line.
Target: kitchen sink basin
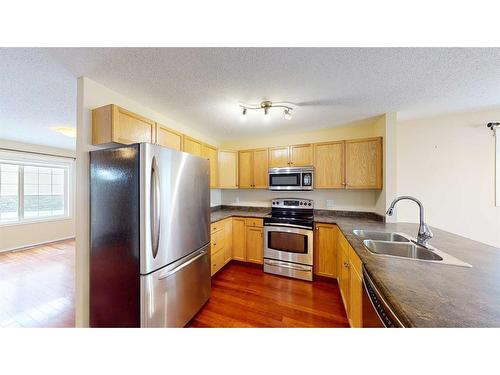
[380, 236]
[402, 250]
[401, 245]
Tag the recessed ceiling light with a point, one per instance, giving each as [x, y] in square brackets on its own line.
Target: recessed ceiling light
[65, 130]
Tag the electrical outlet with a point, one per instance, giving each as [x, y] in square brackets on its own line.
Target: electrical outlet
[329, 204]
[237, 200]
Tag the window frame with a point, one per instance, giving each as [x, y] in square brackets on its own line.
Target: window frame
[33, 160]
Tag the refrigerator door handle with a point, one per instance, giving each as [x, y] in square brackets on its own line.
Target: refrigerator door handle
[178, 268]
[154, 209]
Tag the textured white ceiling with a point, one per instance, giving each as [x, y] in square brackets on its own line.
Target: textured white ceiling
[201, 87]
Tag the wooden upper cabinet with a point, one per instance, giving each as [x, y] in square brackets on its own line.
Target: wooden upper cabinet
[363, 165]
[113, 124]
[253, 169]
[325, 250]
[168, 138]
[228, 169]
[192, 146]
[301, 155]
[329, 165]
[260, 168]
[211, 154]
[278, 157]
[245, 169]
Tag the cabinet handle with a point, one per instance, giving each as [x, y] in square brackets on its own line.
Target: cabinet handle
[346, 264]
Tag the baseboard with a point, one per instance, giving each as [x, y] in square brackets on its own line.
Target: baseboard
[30, 246]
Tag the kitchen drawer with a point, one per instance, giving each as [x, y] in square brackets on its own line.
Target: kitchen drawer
[253, 222]
[217, 262]
[214, 227]
[216, 241]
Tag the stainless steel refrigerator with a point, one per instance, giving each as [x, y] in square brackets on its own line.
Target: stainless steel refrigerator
[149, 236]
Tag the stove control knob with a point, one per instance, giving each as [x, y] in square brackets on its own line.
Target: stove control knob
[309, 203]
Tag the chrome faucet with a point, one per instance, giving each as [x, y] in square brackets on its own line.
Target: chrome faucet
[424, 233]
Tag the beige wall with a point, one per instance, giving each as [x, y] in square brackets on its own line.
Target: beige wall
[352, 200]
[18, 236]
[370, 127]
[448, 163]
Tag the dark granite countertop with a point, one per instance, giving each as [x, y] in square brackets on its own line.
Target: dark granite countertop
[423, 294]
[221, 213]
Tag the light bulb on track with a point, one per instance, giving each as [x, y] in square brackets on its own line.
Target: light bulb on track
[287, 114]
[243, 116]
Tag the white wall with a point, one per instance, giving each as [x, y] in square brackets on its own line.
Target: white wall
[448, 163]
[16, 236]
[215, 197]
[352, 200]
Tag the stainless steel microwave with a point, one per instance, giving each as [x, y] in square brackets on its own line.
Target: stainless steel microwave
[291, 178]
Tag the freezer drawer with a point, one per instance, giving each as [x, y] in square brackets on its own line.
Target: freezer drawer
[171, 296]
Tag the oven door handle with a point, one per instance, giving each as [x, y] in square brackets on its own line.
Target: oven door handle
[286, 265]
[288, 225]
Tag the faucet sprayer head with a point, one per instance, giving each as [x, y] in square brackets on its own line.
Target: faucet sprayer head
[390, 211]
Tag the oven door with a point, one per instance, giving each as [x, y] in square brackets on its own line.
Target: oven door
[285, 181]
[288, 243]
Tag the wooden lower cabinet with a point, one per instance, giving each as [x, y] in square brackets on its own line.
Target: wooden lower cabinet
[239, 242]
[255, 245]
[349, 276]
[221, 244]
[248, 241]
[325, 250]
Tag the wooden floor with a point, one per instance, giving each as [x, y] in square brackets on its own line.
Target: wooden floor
[37, 286]
[245, 296]
[37, 290]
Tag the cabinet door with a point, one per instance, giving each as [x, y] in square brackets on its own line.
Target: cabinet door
[344, 281]
[260, 169]
[211, 154]
[363, 166]
[301, 155]
[192, 146]
[355, 299]
[325, 250]
[239, 242]
[228, 169]
[228, 241]
[278, 157]
[329, 165]
[245, 169]
[168, 138]
[255, 245]
[129, 127]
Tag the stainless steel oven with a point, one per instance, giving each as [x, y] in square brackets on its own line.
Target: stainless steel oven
[288, 238]
[296, 178]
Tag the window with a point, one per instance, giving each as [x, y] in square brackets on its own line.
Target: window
[33, 191]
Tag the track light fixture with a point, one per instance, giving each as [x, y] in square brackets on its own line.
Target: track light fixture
[266, 106]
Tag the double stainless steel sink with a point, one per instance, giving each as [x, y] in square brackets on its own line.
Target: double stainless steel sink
[400, 245]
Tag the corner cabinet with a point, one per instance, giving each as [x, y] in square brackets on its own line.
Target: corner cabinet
[211, 154]
[113, 124]
[363, 163]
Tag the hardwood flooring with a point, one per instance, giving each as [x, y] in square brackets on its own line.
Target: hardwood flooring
[245, 296]
[37, 286]
[37, 290]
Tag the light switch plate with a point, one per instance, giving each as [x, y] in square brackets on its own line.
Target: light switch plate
[329, 204]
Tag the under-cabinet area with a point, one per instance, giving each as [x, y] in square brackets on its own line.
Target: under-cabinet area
[339, 164]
